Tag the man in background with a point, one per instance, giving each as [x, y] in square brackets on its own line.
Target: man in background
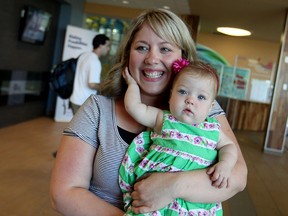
[88, 72]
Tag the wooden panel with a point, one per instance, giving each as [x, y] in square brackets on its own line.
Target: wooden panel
[192, 21]
[275, 136]
[246, 115]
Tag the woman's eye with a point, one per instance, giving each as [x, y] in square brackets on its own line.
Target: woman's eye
[182, 92]
[165, 49]
[141, 48]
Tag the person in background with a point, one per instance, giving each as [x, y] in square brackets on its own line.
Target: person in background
[88, 72]
[184, 138]
[84, 179]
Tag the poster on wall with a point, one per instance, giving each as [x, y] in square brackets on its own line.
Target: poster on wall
[77, 41]
[261, 90]
[234, 82]
[219, 68]
[240, 85]
[227, 81]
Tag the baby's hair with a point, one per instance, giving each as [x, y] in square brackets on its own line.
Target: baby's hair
[203, 70]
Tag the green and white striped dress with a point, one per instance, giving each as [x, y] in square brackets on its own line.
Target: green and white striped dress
[180, 147]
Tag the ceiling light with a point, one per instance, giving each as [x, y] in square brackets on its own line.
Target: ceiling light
[125, 2]
[233, 31]
[166, 7]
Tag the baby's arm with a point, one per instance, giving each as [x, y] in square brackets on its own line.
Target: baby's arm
[227, 157]
[148, 116]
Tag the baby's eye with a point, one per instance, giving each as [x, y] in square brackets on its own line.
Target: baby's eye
[182, 92]
[201, 97]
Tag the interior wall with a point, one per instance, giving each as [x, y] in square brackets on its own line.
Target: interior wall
[16, 55]
[29, 58]
[30, 62]
[111, 11]
[229, 47]
[23, 56]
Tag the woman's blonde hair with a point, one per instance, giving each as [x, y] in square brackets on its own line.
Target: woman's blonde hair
[167, 26]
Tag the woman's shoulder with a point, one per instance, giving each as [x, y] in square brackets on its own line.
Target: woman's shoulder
[100, 101]
[86, 121]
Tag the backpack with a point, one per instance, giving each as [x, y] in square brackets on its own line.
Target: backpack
[62, 77]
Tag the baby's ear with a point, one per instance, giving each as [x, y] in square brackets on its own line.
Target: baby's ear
[212, 104]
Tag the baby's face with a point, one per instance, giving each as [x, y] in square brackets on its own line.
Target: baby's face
[191, 98]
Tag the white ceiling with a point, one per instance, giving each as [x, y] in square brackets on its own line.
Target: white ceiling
[265, 18]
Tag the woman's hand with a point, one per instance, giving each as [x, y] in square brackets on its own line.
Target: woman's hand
[152, 192]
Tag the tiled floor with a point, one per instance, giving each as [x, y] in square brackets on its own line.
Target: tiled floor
[25, 165]
[267, 189]
[26, 161]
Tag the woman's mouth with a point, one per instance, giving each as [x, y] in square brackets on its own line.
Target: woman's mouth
[153, 75]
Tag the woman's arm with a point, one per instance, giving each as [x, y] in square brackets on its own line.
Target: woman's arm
[159, 189]
[71, 179]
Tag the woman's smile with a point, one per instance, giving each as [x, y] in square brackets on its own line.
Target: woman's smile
[153, 74]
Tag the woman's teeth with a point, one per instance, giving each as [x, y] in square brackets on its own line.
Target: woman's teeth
[153, 75]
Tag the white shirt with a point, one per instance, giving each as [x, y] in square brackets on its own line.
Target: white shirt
[88, 70]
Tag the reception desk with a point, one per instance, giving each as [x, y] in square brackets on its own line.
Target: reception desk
[246, 115]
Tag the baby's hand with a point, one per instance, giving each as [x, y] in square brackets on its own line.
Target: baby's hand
[219, 174]
[128, 78]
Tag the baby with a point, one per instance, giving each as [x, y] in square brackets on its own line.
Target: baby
[184, 138]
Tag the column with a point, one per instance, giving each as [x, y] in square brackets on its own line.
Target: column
[276, 131]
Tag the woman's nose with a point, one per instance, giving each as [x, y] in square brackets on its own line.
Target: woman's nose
[152, 57]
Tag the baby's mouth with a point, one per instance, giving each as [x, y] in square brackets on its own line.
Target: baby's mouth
[188, 111]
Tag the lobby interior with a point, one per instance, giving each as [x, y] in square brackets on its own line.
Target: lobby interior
[29, 133]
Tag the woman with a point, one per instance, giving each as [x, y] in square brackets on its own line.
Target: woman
[85, 176]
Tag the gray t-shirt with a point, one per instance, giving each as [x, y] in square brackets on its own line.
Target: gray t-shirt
[96, 124]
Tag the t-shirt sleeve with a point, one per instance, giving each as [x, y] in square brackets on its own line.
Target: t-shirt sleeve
[85, 122]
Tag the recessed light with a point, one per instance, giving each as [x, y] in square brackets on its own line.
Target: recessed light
[166, 7]
[125, 2]
[233, 31]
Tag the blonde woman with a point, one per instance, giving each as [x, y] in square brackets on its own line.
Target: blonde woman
[85, 176]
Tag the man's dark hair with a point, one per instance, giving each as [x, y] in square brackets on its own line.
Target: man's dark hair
[99, 39]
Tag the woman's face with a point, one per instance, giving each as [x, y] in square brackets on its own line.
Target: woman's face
[150, 62]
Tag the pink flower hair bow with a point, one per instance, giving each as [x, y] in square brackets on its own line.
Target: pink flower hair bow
[179, 64]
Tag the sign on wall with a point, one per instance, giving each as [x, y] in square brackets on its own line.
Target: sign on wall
[233, 81]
